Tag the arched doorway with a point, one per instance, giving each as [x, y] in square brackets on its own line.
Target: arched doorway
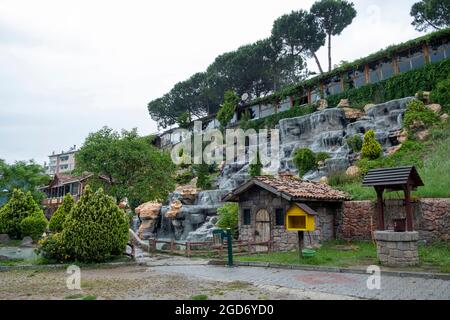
[262, 228]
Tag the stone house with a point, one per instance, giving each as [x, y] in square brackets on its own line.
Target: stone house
[264, 201]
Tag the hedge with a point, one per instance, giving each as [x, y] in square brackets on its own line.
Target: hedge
[403, 85]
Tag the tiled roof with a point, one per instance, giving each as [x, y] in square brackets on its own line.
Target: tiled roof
[293, 188]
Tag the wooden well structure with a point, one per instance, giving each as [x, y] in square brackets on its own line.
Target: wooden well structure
[404, 179]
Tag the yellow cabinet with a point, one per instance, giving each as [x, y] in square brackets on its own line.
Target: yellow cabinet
[300, 217]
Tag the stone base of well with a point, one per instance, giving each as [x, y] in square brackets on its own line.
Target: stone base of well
[397, 249]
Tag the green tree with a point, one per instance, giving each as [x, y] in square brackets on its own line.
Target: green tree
[441, 94]
[299, 34]
[96, 229]
[60, 215]
[229, 217]
[27, 176]
[371, 148]
[431, 14]
[133, 167]
[228, 108]
[304, 160]
[20, 206]
[334, 17]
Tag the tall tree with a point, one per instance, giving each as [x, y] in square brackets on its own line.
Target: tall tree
[134, 168]
[23, 175]
[228, 108]
[298, 34]
[431, 14]
[334, 17]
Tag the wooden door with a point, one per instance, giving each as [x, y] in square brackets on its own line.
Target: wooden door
[262, 228]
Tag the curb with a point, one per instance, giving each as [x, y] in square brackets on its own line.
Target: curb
[401, 274]
[63, 266]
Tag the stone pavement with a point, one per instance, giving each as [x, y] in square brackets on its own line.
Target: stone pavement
[350, 285]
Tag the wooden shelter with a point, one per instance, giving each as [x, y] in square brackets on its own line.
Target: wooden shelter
[394, 179]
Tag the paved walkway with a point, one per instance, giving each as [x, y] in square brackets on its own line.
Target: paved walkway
[353, 285]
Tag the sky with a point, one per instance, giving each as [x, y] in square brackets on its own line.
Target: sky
[68, 68]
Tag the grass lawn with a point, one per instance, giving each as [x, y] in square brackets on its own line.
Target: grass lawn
[434, 257]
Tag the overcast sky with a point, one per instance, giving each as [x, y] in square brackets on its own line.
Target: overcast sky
[69, 67]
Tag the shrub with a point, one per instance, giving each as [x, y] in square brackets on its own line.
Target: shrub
[94, 231]
[204, 180]
[371, 148]
[20, 206]
[185, 177]
[254, 169]
[60, 215]
[441, 94]
[229, 217]
[34, 226]
[52, 248]
[304, 160]
[355, 143]
[416, 111]
[322, 156]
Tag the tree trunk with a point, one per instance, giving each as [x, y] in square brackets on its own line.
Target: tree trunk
[318, 62]
[329, 52]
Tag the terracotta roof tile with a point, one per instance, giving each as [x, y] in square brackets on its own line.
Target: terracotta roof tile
[298, 189]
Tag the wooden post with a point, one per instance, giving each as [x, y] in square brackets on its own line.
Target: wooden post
[188, 249]
[172, 246]
[380, 191]
[249, 247]
[300, 243]
[409, 211]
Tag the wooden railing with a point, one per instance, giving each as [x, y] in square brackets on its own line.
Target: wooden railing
[189, 249]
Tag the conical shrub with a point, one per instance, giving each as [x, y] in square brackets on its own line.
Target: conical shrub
[371, 148]
[60, 215]
[19, 207]
[95, 229]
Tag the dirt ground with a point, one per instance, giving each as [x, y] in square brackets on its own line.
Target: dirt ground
[126, 282]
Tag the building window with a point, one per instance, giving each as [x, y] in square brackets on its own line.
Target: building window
[247, 217]
[64, 167]
[279, 217]
[403, 62]
[387, 71]
[64, 158]
[417, 59]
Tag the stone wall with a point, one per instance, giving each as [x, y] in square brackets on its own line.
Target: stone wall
[431, 218]
[283, 240]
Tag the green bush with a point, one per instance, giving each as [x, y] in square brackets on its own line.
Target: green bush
[53, 248]
[229, 217]
[94, 231]
[20, 206]
[416, 111]
[227, 109]
[304, 160]
[441, 95]
[322, 156]
[34, 226]
[355, 143]
[371, 148]
[204, 179]
[254, 169]
[60, 215]
[185, 177]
